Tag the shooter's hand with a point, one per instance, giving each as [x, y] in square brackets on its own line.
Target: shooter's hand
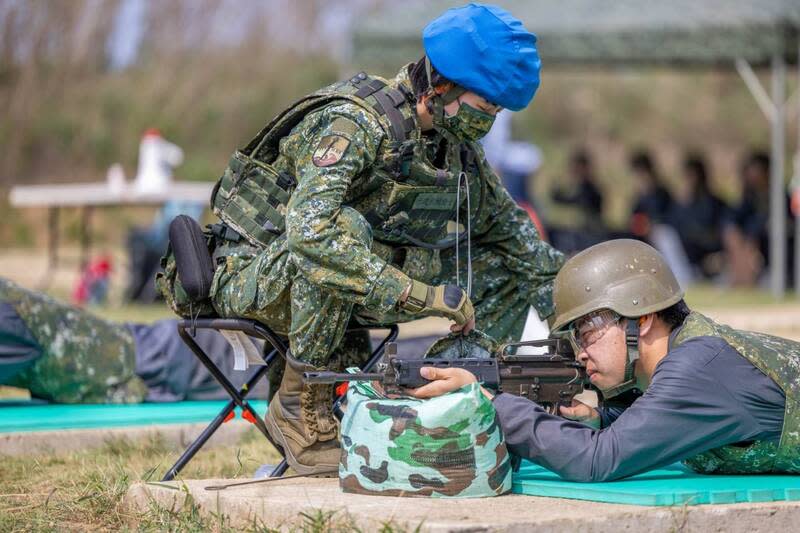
[443, 380]
[580, 412]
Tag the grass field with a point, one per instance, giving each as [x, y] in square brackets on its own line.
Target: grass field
[84, 491]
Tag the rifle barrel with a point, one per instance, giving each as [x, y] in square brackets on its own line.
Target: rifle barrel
[318, 378]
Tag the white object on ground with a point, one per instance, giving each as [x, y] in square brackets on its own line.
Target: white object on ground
[157, 158]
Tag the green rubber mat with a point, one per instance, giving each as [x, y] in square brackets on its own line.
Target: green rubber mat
[52, 417]
[671, 485]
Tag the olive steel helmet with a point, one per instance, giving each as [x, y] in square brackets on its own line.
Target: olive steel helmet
[629, 277]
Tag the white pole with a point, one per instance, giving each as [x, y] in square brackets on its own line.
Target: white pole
[754, 86]
[796, 183]
[777, 200]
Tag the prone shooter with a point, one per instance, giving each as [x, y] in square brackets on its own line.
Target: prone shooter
[552, 379]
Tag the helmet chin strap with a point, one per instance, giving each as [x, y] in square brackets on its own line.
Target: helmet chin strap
[436, 102]
[632, 343]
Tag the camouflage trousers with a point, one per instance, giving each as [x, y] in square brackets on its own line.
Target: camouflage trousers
[265, 285]
[84, 359]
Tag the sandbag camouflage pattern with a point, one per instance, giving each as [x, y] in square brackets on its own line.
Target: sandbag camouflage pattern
[780, 360]
[446, 447]
[84, 359]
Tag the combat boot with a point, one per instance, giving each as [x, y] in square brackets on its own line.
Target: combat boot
[300, 419]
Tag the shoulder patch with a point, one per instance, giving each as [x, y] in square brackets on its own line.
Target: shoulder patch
[330, 150]
[343, 126]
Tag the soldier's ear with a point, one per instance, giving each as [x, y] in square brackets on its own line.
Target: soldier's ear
[646, 323]
[443, 87]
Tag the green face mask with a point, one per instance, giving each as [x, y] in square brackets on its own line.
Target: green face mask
[469, 124]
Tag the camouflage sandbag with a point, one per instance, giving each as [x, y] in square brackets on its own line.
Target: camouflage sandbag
[445, 447]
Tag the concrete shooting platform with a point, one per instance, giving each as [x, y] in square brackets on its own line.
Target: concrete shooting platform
[278, 504]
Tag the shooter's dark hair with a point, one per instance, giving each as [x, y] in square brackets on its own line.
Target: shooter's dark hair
[674, 315]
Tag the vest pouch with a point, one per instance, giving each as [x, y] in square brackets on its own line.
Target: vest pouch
[192, 257]
[188, 270]
[252, 198]
[423, 212]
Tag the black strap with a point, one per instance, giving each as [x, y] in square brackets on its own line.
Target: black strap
[370, 88]
[468, 159]
[285, 181]
[394, 115]
[224, 232]
[387, 102]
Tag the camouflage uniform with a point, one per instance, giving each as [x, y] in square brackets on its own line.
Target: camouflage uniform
[84, 360]
[342, 255]
[780, 360]
[448, 447]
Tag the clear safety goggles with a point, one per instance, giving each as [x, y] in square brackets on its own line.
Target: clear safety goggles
[585, 331]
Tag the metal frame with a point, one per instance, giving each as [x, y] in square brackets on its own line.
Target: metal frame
[775, 107]
[186, 329]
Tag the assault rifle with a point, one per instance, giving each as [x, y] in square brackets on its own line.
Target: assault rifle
[550, 379]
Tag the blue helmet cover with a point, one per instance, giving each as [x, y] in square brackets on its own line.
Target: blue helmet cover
[486, 50]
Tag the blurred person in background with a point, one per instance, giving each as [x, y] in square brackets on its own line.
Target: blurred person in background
[653, 200]
[649, 220]
[578, 204]
[697, 215]
[746, 228]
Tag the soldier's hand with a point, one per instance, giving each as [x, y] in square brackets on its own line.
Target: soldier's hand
[580, 412]
[448, 301]
[443, 380]
[465, 329]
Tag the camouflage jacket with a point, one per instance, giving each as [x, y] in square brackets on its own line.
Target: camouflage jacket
[83, 359]
[337, 156]
[780, 360]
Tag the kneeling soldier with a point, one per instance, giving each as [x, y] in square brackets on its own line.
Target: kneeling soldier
[353, 205]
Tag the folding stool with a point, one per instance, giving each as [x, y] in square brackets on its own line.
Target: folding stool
[195, 267]
[276, 347]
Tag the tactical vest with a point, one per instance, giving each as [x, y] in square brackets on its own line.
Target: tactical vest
[405, 199]
[780, 360]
